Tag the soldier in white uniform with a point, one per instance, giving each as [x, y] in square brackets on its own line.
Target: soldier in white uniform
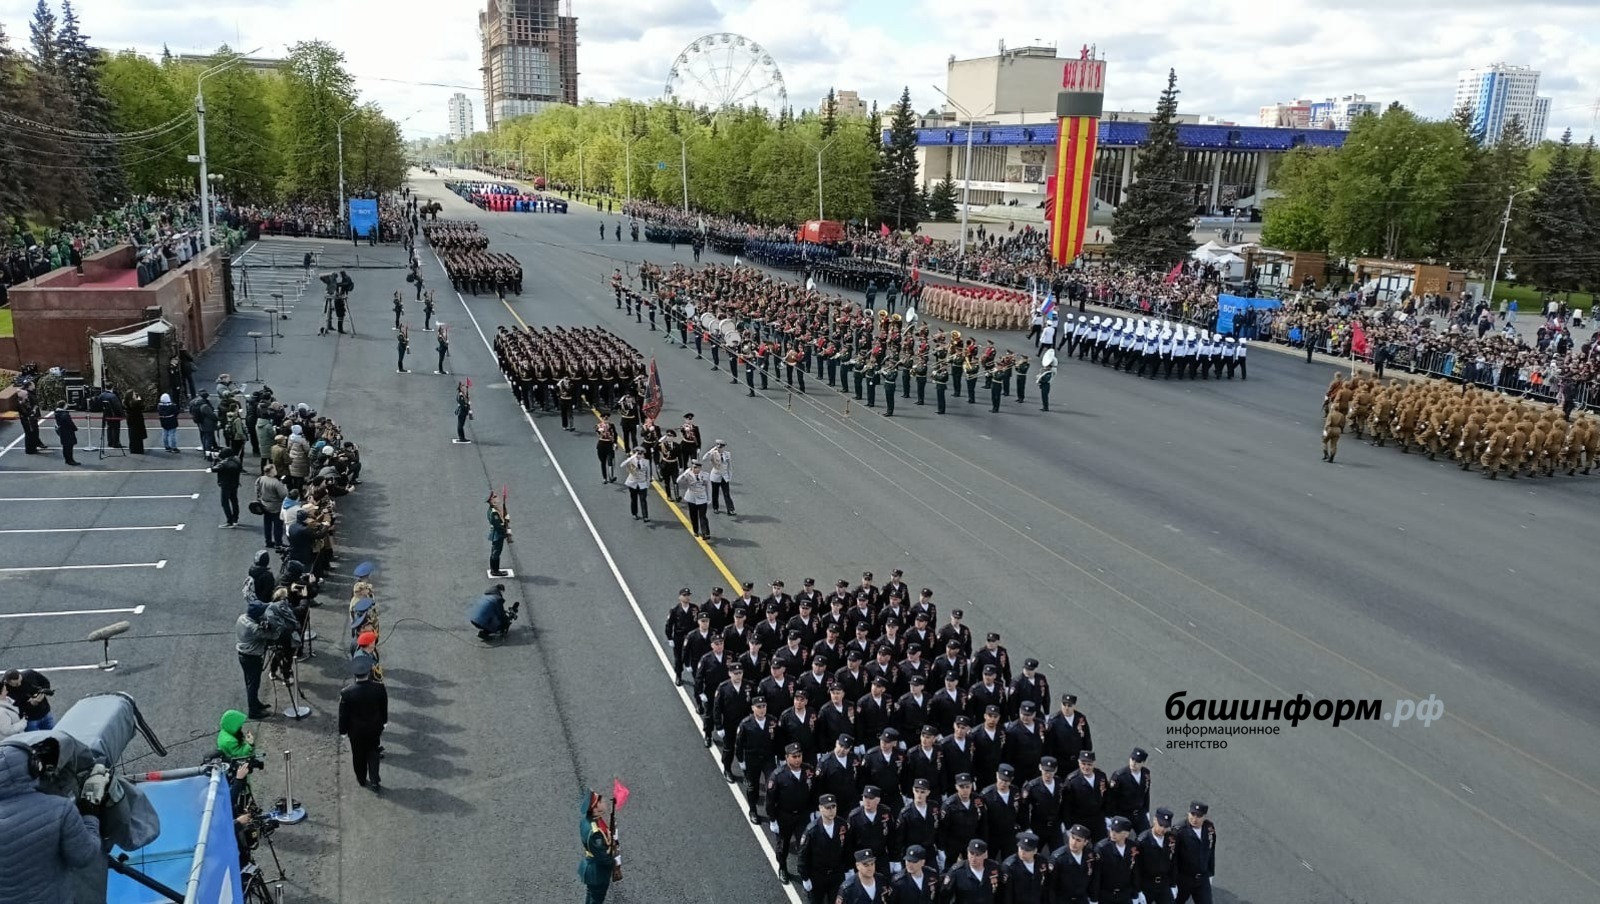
[1244, 371]
[1165, 348]
[719, 470]
[1230, 355]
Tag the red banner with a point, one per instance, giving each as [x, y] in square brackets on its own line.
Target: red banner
[654, 399]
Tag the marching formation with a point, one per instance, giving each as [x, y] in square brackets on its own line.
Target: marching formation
[1147, 347]
[556, 367]
[472, 269]
[885, 752]
[1470, 425]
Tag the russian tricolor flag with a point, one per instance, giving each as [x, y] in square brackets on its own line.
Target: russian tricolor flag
[1049, 305]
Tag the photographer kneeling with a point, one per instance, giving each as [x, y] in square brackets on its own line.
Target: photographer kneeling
[490, 616]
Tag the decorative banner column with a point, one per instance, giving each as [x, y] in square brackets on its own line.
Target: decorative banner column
[1071, 189]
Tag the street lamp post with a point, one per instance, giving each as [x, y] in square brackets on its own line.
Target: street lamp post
[966, 175]
[1505, 225]
[344, 214]
[818, 151]
[200, 117]
[581, 183]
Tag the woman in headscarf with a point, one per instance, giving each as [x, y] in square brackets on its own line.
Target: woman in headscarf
[133, 407]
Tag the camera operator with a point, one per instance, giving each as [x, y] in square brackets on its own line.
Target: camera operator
[46, 835]
[303, 535]
[489, 615]
[254, 636]
[31, 692]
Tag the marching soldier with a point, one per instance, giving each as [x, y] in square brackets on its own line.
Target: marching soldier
[962, 819]
[1023, 875]
[975, 879]
[1068, 732]
[871, 824]
[1158, 847]
[917, 825]
[1117, 858]
[1195, 857]
[1041, 802]
[1030, 685]
[1129, 794]
[1025, 741]
[755, 745]
[836, 772]
[1332, 429]
[1075, 874]
[866, 886]
[788, 803]
[729, 708]
[821, 863]
[917, 883]
[1085, 796]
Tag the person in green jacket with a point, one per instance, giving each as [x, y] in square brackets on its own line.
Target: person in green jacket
[601, 861]
[232, 740]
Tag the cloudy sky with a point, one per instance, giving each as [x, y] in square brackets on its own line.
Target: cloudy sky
[411, 56]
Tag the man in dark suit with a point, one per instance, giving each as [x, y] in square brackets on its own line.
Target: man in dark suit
[363, 714]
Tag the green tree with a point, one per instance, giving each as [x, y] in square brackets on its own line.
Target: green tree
[79, 68]
[1151, 227]
[1396, 177]
[1297, 220]
[13, 195]
[43, 32]
[1558, 225]
[1589, 180]
[141, 96]
[942, 203]
[830, 115]
[318, 93]
[899, 201]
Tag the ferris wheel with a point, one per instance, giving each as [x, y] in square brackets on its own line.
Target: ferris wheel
[725, 70]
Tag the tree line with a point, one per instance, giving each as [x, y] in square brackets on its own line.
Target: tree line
[1404, 187]
[747, 163]
[83, 130]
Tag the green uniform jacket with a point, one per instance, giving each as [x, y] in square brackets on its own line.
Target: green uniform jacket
[597, 863]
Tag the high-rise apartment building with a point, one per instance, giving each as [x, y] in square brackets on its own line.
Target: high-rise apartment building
[530, 58]
[460, 116]
[845, 103]
[1340, 112]
[1500, 93]
[1295, 114]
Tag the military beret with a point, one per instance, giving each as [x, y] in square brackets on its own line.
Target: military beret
[1138, 755]
[977, 845]
[792, 749]
[1120, 824]
[1078, 831]
[1198, 808]
[1027, 841]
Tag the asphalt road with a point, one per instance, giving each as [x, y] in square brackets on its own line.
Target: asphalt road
[1142, 538]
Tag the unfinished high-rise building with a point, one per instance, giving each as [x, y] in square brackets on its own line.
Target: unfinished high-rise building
[530, 57]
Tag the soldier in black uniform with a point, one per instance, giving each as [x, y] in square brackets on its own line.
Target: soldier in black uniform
[1158, 847]
[871, 823]
[1030, 685]
[806, 622]
[729, 709]
[798, 725]
[917, 825]
[1116, 857]
[736, 637]
[988, 740]
[1025, 743]
[817, 680]
[1129, 795]
[1074, 875]
[1023, 875]
[924, 761]
[989, 691]
[709, 674]
[955, 751]
[882, 766]
[911, 710]
[916, 884]
[952, 661]
[681, 621]
[755, 745]
[788, 803]
[777, 687]
[1086, 795]
[1042, 801]
[836, 772]
[948, 703]
[1195, 860]
[853, 678]
[1000, 808]
[822, 861]
[955, 630]
[995, 654]
[875, 709]
[795, 656]
[975, 879]
[866, 886]
[962, 819]
[1067, 733]
[837, 717]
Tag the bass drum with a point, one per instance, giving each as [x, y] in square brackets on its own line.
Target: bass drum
[730, 333]
[709, 322]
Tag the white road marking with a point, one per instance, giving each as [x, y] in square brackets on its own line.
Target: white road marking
[13, 444]
[87, 498]
[156, 565]
[83, 473]
[633, 603]
[82, 530]
[70, 668]
[136, 610]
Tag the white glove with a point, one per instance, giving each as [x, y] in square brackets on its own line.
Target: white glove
[743, 768]
[1174, 892]
[805, 884]
[1138, 898]
[773, 827]
[719, 734]
[618, 859]
[702, 698]
[897, 868]
[94, 787]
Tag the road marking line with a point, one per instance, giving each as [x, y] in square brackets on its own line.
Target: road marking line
[136, 610]
[156, 565]
[88, 498]
[83, 473]
[81, 530]
[13, 444]
[70, 668]
[633, 603]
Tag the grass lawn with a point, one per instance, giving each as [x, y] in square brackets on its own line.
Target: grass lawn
[1530, 299]
[5, 321]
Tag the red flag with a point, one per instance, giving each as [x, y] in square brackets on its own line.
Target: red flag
[1050, 199]
[653, 400]
[883, 228]
[1174, 273]
[619, 793]
[1358, 338]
